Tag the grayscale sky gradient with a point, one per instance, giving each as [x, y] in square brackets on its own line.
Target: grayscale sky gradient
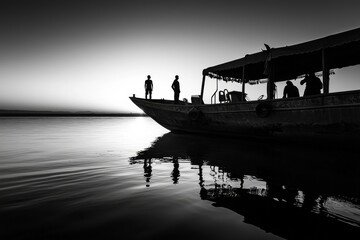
[92, 55]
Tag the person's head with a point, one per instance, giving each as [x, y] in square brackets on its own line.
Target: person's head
[289, 83]
[176, 77]
[148, 76]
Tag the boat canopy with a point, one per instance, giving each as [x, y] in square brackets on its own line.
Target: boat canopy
[289, 62]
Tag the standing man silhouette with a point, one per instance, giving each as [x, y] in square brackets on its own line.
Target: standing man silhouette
[148, 87]
[176, 87]
[313, 84]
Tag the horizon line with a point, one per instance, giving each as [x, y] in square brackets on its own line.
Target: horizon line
[5, 113]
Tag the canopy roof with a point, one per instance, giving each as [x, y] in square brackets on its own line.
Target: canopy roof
[341, 50]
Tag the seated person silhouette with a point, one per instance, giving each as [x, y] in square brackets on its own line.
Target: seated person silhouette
[290, 90]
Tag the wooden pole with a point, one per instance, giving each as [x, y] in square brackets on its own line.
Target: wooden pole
[202, 88]
[271, 74]
[270, 85]
[326, 73]
[243, 84]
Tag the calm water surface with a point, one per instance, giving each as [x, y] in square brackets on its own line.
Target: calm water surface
[129, 178]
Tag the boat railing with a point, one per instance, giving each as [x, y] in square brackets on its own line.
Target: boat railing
[214, 95]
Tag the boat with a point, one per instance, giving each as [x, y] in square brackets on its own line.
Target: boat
[326, 114]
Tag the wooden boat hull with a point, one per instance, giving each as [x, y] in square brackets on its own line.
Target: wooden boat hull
[328, 114]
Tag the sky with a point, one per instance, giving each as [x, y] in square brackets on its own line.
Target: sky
[92, 55]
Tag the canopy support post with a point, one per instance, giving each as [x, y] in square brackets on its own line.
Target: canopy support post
[202, 88]
[325, 73]
[271, 85]
[270, 71]
[243, 84]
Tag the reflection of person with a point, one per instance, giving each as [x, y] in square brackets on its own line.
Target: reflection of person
[148, 87]
[176, 87]
[175, 173]
[147, 171]
[313, 84]
[290, 90]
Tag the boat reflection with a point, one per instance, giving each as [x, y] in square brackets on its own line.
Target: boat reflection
[295, 191]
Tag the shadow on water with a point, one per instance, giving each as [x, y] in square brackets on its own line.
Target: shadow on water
[295, 191]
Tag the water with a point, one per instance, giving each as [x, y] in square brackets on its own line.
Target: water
[129, 178]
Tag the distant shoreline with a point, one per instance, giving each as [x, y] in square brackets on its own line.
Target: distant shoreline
[21, 113]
